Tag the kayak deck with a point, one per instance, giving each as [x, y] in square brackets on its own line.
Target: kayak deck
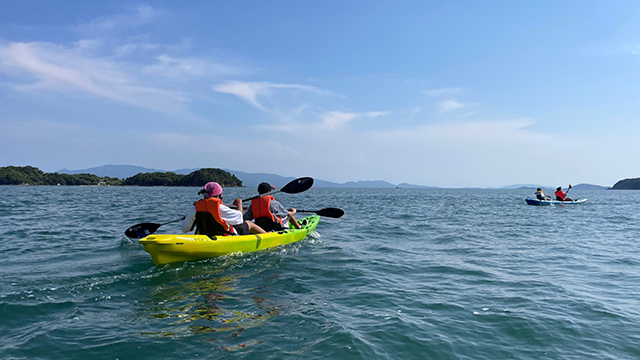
[169, 248]
[553, 202]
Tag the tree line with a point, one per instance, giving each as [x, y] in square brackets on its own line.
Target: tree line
[29, 175]
[627, 184]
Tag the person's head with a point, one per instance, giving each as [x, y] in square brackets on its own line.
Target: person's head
[559, 188]
[211, 189]
[264, 188]
[538, 189]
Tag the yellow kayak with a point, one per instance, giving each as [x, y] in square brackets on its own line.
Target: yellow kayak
[169, 248]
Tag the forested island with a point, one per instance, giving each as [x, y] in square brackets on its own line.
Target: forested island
[29, 175]
[627, 184]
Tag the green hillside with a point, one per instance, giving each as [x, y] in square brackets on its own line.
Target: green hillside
[29, 175]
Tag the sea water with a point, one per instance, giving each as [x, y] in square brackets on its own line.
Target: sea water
[405, 274]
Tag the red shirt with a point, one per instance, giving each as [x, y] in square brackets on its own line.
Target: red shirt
[560, 194]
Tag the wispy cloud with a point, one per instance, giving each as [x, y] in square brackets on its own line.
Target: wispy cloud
[182, 68]
[142, 14]
[50, 67]
[249, 91]
[449, 105]
[374, 114]
[334, 119]
[440, 92]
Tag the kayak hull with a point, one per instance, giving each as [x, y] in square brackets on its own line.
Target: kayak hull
[170, 248]
[553, 202]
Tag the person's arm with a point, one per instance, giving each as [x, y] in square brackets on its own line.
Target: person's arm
[277, 209]
[231, 216]
[188, 221]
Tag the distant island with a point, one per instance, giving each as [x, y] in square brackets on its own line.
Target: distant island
[124, 175]
[627, 184]
[247, 179]
[29, 175]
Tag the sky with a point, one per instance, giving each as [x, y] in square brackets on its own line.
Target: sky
[436, 93]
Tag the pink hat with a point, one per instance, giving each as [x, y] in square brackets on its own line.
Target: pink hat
[212, 189]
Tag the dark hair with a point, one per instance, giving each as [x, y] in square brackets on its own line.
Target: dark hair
[264, 188]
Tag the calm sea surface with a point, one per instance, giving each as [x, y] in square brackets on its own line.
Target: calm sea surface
[405, 274]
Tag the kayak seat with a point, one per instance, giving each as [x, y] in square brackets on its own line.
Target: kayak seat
[205, 224]
[267, 224]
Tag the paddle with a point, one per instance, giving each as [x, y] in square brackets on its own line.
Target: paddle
[139, 231]
[328, 212]
[296, 186]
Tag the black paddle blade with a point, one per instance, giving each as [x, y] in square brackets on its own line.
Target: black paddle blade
[298, 185]
[139, 231]
[328, 212]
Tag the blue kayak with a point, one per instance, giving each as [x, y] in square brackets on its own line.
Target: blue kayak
[553, 202]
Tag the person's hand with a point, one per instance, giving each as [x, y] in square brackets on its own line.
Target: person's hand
[292, 211]
[238, 203]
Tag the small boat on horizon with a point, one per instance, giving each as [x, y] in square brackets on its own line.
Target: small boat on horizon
[553, 202]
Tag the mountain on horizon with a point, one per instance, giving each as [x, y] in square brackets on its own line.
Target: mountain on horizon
[248, 179]
[552, 188]
[117, 171]
[253, 179]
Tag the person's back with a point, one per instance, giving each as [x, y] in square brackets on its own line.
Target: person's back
[268, 213]
[211, 217]
[560, 196]
[262, 213]
[540, 195]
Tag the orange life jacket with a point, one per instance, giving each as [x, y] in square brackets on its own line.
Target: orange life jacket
[212, 206]
[260, 207]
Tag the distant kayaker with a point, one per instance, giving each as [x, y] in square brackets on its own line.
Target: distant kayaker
[562, 196]
[268, 212]
[211, 217]
[541, 196]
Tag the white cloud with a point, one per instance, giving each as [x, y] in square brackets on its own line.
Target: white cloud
[55, 68]
[374, 114]
[249, 91]
[334, 119]
[449, 105]
[180, 68]
[443, 91]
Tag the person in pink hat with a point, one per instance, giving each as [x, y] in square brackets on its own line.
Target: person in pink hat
[209, 216]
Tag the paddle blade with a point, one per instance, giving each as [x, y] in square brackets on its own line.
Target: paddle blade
[328, 212]
[139, 231]
[298, 185]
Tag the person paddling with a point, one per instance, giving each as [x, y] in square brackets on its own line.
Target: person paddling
[268, 213]
[541, 195]
[562, 196]
[209, 216]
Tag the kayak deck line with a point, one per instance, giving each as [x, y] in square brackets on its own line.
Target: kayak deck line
[169, 248]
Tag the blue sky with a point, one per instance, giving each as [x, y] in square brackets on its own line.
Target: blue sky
[438, 93]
